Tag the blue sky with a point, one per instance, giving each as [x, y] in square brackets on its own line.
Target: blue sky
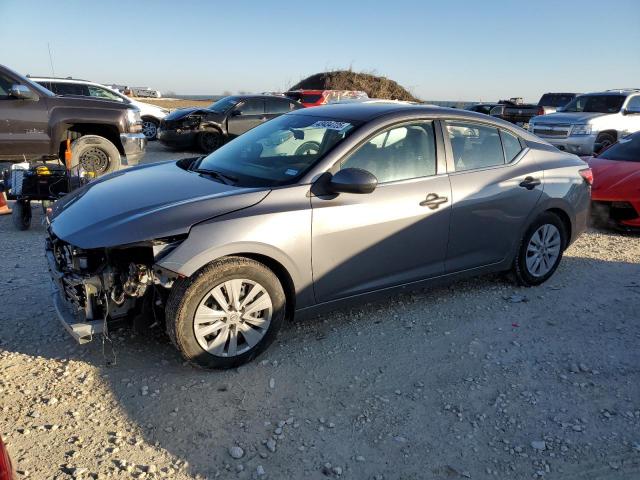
[457, 50]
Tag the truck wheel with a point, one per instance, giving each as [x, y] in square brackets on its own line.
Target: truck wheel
[21, 215]
[150, 128]
[225, 314]
[96, 154]
[210, 141]
[604, 141]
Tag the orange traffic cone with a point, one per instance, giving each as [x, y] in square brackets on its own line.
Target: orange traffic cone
[4, 208]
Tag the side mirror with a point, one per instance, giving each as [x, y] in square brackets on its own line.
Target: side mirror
[353, 180]
[236, 113]
[22, 92]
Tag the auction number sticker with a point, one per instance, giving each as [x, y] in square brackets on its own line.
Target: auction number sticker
[330, 125]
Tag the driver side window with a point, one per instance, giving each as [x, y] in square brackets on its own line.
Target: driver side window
[400, 153]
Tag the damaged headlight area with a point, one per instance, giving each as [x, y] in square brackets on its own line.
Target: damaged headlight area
[111, 284]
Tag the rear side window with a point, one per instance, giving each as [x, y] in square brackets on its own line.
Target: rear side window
[69, 89]
[474, 146]
[252, 106]
[511, 144]
[277, 105]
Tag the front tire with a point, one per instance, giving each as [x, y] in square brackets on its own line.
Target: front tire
[150, 128]
[605, 140]
[540, 250]
[21, 215]
[96, 155]
[226, 314]
[210, 141]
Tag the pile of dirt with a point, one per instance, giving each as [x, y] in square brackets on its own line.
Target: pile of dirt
[373, 85]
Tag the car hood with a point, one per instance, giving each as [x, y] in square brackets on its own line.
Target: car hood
[185, 112]
[566, 117]
[144, 203]
[614, 175]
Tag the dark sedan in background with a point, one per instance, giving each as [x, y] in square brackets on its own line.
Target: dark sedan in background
[210, 128]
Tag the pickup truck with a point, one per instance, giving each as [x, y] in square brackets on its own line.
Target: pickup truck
[516, 111]
[591, 122]
[35, 124]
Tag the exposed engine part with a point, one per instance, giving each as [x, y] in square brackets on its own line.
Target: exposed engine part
[140, 276]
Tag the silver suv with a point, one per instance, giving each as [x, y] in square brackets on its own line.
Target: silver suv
[591, 122]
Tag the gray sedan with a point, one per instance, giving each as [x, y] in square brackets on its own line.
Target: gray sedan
[312, 210]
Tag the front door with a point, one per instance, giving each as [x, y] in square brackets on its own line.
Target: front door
[245, 116]
[490, 206]
[394, 235]
[24, 124]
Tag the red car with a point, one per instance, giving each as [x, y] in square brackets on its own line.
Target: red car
[6, 470]
[315, 98]
[615, 193]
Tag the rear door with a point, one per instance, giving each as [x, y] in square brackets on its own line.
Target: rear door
[24, 124]
[246, 115]
[495, 185]
[392, 236]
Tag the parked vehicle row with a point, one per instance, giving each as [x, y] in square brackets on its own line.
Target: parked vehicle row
[391, 196]
[591, 122]
[151, 114]
[210, 128]
[516, 111]
[35, 124]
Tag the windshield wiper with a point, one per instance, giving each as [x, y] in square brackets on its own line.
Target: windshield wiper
[226, 179]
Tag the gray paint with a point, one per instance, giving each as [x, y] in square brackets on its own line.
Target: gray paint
[335, 247]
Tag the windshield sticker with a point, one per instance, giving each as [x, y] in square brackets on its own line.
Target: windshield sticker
[291, 171]
[330, 125]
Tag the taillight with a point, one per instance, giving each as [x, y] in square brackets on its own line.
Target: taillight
[540, 110]
[587, 174]
[6, 470]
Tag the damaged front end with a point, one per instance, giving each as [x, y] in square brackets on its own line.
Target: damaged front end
[93, 289]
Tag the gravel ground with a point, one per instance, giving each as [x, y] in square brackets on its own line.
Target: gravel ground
[476, 380]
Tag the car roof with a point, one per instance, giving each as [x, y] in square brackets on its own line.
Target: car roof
[623, 92]
[62, 80]
[365, 112]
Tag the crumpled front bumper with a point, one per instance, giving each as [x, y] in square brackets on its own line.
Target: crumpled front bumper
[73, 319]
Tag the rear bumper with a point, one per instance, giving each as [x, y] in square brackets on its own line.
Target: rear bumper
[134, 145]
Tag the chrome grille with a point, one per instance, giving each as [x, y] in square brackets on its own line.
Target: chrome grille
[552, 130]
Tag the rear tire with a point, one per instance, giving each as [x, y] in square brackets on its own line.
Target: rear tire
[195, 306]
[96, 154]
[21, 215]
[540, 250]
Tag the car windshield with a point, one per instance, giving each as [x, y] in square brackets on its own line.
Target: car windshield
[279, 151]
[223, 104]
[555, 100]
[595, 104]
[626, 150]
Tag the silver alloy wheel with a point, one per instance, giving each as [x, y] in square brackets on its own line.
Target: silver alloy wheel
[149, 129]
[233, 317]
[543, 250]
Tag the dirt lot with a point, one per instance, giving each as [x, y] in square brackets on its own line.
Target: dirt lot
[477, 380]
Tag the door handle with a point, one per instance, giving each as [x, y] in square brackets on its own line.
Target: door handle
[530, 183]
[433, 201]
